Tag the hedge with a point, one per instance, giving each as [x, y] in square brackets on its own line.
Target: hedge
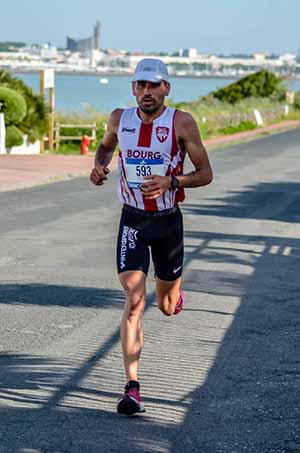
[14, 137]
[14, 106]
[260, 84]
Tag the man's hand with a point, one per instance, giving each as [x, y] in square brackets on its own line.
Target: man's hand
[155, 186]
[98, 175]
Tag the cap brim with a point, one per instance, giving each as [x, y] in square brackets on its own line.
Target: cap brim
[149, 77]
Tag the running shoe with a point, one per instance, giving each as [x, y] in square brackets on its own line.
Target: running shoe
[180, 303]
[130, 403]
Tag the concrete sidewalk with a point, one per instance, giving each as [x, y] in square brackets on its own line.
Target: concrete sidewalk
[17, 172]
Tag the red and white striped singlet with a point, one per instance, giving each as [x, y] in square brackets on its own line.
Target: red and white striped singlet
[144, 149]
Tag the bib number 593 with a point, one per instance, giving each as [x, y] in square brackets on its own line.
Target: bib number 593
[143, 170]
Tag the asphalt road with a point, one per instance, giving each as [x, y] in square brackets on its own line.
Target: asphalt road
[221, 377]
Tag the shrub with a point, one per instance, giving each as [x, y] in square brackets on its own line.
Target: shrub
[260, 84]
[14, 137]
[14, 105]
[14, 108]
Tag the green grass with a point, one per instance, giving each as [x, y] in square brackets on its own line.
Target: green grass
[243, 126]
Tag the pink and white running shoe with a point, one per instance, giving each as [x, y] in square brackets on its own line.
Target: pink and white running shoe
[180, 303]
[130, 403]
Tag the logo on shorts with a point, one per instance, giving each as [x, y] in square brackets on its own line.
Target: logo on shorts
[132, 237]
[128, 239]
[176, 270]
[162, 133]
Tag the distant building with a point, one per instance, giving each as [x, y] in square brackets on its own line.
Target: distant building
[80, 45]
[87, 44]
[287, 58]
[48, 52]
[189, 53]
[260, 57]
[97, 36]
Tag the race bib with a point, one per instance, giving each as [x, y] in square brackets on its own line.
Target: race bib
[137, 169]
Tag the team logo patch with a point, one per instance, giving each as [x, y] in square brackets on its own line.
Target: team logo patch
[162, 133]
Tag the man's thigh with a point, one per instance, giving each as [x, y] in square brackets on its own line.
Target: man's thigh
[132, 251]
[167, 252]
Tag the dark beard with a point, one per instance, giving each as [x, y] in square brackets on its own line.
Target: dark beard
[152, 109]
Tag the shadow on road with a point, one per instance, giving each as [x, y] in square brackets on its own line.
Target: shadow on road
[269, 201]
[60, 295]
[90, 430]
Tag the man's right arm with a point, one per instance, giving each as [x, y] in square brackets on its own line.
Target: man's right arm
[106, 149]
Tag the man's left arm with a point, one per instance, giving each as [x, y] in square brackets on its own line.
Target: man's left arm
[188, 136]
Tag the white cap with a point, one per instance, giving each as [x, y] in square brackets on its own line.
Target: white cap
[151, 70]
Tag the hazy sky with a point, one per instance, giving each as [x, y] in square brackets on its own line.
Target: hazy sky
[221, 26]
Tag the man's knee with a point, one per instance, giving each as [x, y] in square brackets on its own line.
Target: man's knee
[135, 303]
[166, 310]
[135, 295]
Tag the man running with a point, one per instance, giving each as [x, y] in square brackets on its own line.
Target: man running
[153, 141]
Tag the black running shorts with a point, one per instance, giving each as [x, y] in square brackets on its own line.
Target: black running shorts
[160, 231]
